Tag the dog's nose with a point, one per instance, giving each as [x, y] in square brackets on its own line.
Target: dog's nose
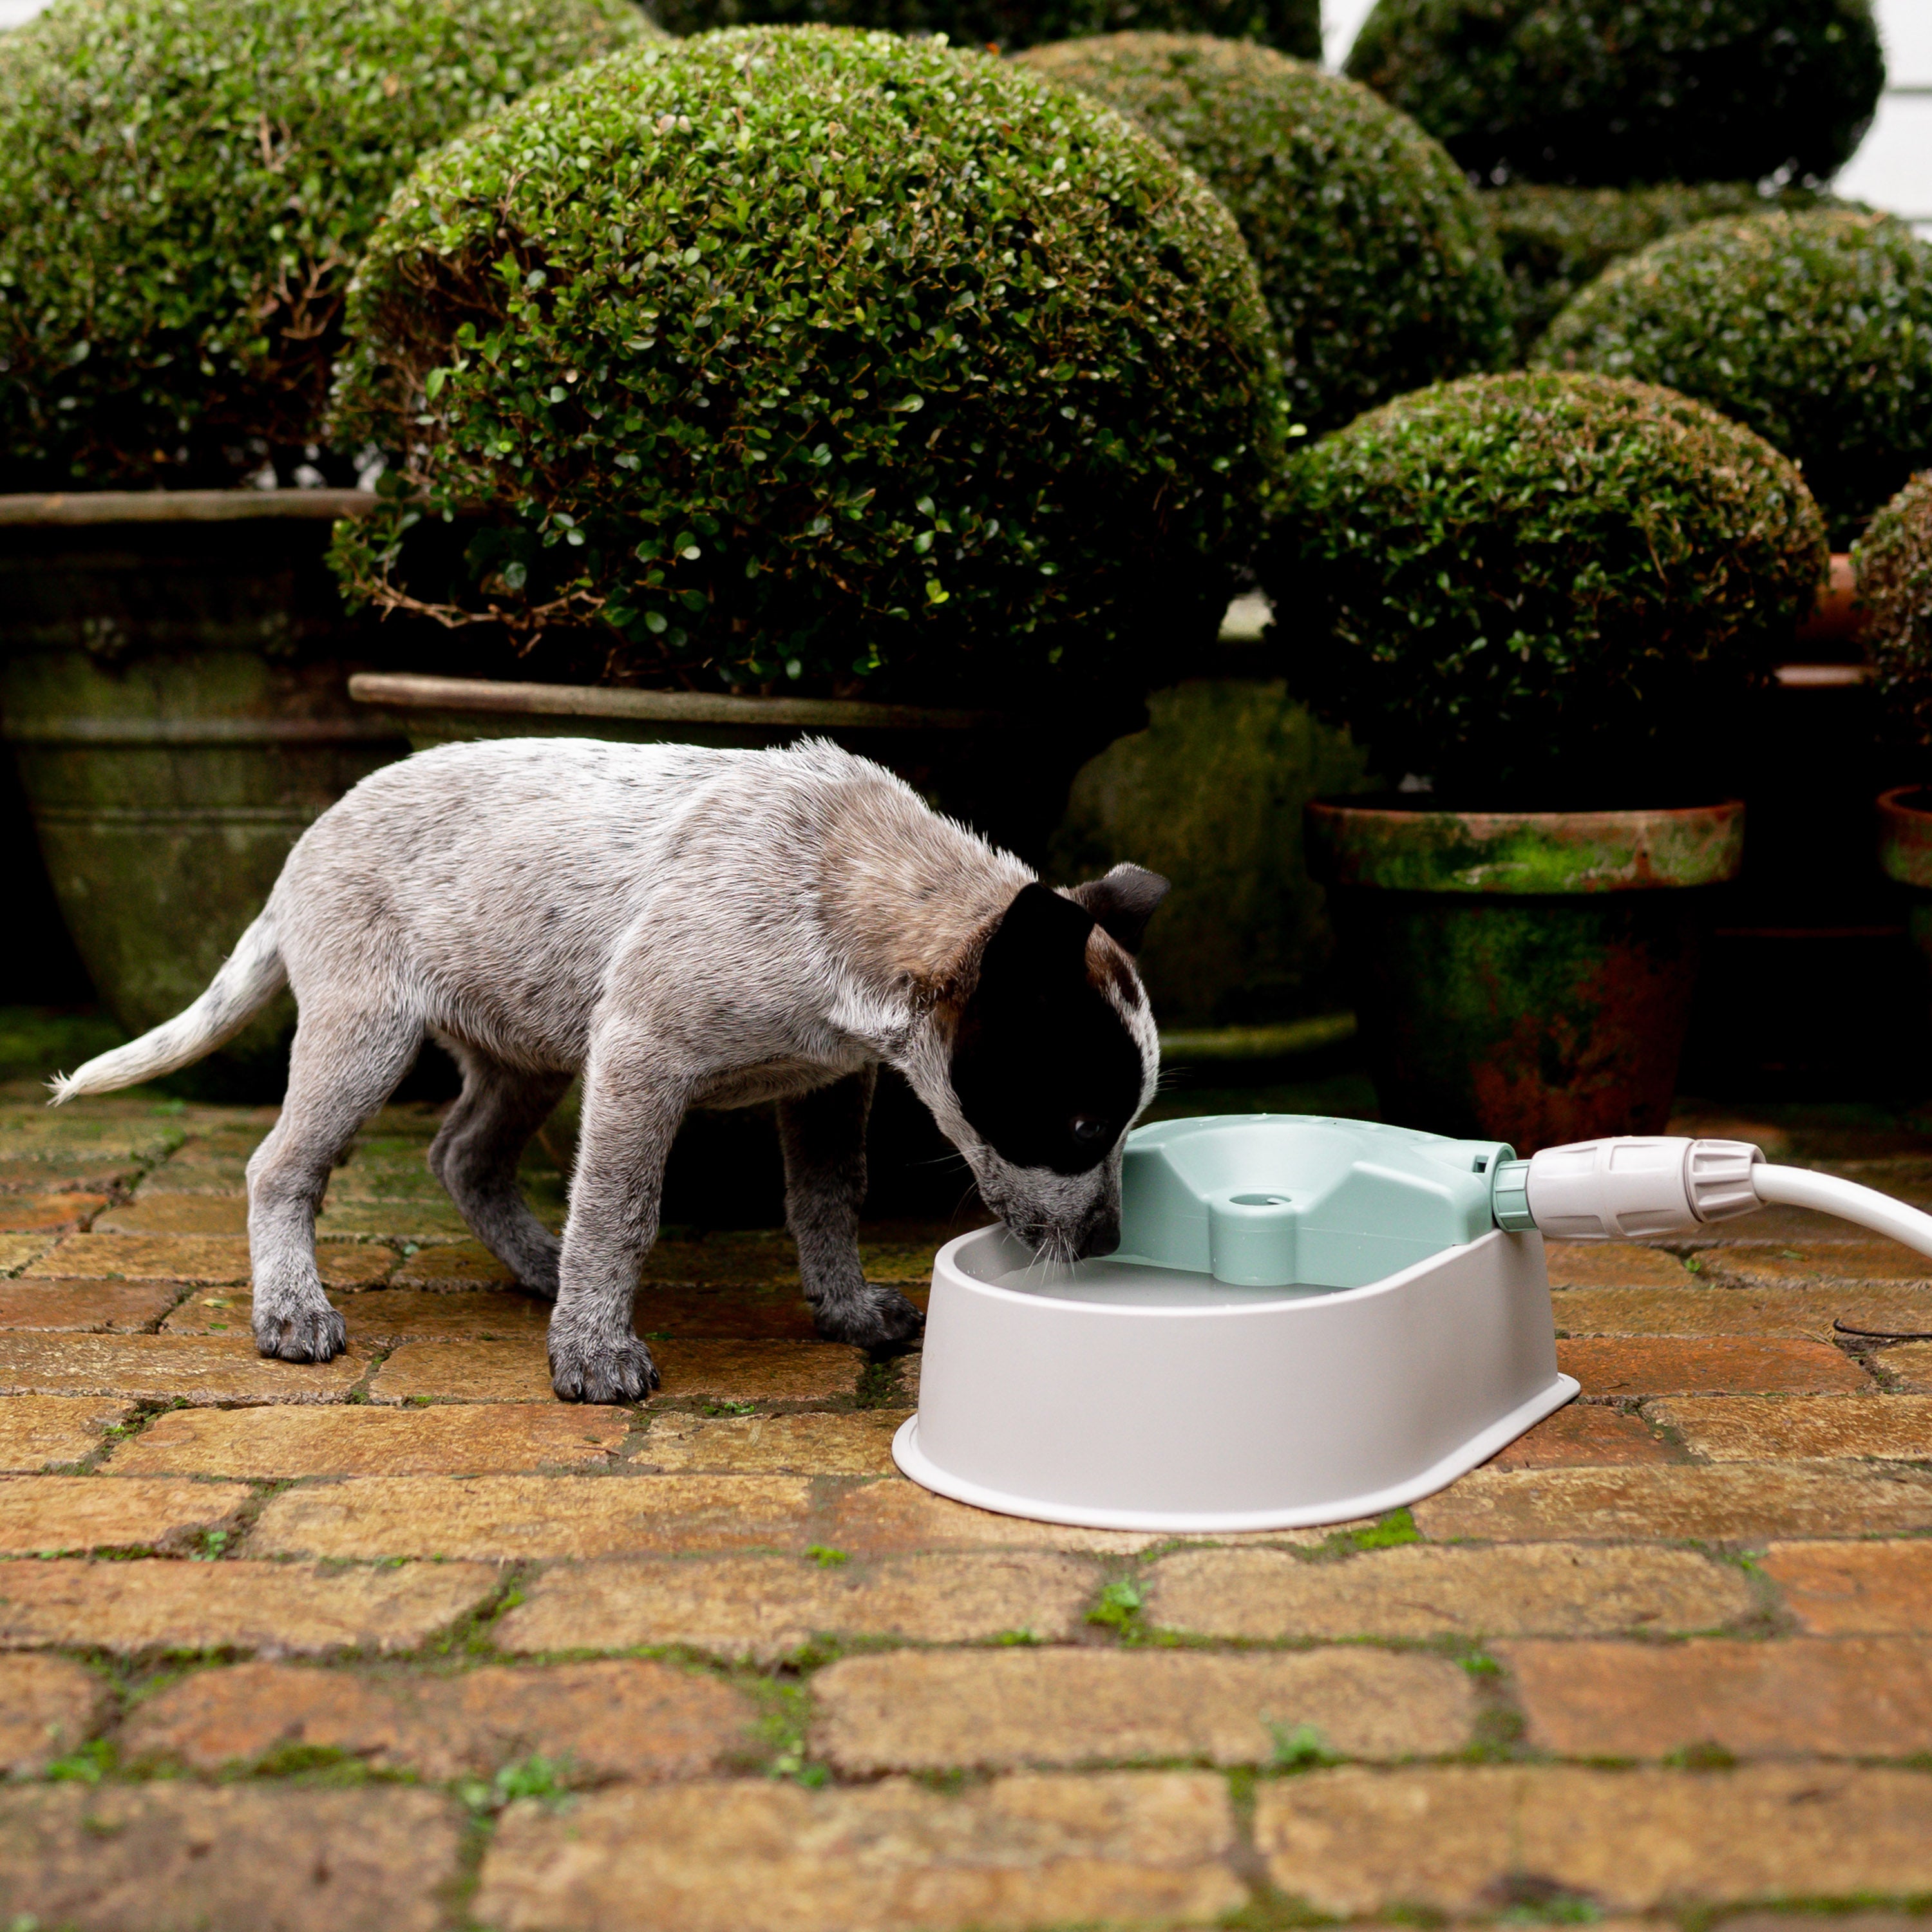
[1100, 1237]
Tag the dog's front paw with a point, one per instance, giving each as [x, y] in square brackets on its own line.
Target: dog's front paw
[302, 1333]
[878, 1318]
[609, 1371]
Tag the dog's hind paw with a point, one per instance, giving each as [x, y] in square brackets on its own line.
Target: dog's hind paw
[615, 1372]
[881, 1319]
[302, 1335]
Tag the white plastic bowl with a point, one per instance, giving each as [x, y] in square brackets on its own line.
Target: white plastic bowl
[1116, 1395]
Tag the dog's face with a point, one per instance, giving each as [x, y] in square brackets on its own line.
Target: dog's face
[1054, 1055]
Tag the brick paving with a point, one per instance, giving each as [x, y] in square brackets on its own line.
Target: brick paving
[400, 1642]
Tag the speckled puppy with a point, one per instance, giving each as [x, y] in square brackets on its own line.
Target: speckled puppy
[687, 927]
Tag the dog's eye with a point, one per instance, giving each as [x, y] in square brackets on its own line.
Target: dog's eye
[1088, 1128]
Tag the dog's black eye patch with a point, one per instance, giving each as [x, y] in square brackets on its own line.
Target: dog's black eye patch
[1045, 1069]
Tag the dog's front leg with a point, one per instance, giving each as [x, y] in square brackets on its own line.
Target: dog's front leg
[632, 1104]
[824, 1136]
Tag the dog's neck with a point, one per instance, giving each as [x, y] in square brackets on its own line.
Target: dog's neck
[908, 897]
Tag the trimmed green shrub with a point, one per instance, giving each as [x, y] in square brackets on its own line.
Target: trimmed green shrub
[1893, 560]
[1815, 330]
[1603, 93]
[1556, 240]
[184, 190]
[1293, 25]
[1540, 590]
[1379, 269]
[805, 356]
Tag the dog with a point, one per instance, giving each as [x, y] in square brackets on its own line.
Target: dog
[685, 927]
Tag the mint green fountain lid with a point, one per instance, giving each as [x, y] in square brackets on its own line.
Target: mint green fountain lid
[1279, 1200]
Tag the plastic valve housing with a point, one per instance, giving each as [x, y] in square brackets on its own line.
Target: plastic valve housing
[1632, 1187]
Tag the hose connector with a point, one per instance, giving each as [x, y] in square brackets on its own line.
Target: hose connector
[1509, 1197]
[1632, 1188]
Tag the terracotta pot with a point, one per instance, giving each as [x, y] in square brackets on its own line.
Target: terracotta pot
[1524, 977]
[174, 673]
[1006, 775]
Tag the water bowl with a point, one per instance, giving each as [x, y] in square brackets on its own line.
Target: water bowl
[1308, 1320]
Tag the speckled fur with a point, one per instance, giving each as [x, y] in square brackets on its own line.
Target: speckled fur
[684, 927]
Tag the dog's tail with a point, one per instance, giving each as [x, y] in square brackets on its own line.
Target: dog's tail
[250, 977]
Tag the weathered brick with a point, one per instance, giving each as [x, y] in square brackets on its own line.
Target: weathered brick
[684, 1311]
[765, 1606]
[894, 1517]
[1791, 1428]
[177, 1214]
[1722, 1503]
[95, 1307]
[197, 1369]
[294, 1609]
[394, 1221]
[1611, 1265]
[383, 1318]
[809, 1443]
[362, 1440]
[1584, 1434]
[507, 1518]
[1909, 1363]
[1004, 1709]
[17, 1251]
[38, 1431]
[48, 1707]
[1848, 1589]
[1863, 1259]
[1546, 1589]
[128, 1857]
[198, 1257]
[78, 1173]
[191, 1172]
[1472, 1838]
[1714, 1310]
[48, 1213]
[617, 1719]
[42, 1514]
[1842, 1697]
[764, 1856]
[756, 1257]
[693, 1371]
[450, 1264]
[1626, 1365]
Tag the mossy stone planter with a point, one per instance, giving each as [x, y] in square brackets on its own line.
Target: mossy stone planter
[174, 691]
[1905, 855]
[1006, 775]
[1524, 977]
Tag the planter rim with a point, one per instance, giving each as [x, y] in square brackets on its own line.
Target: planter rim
[1526, 854]
[72, 508]
[401, 691]
[1905, 835]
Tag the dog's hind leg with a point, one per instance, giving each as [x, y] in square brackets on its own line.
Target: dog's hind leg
[824, 1136]
[475, 1156]
[345, 1063]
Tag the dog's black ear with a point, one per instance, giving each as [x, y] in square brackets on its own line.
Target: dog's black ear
[1040, 935]
[1123, 902]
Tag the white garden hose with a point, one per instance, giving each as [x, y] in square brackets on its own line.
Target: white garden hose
[1636, 1188]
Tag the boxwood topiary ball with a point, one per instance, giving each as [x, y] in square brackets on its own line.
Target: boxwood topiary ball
[1539, 590]
[1603, 93]
[1814, 329]
[1293, 25]
[184, 190]
[1556, 240]
[1893, 560]
[802, 356]
[1378, 268]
